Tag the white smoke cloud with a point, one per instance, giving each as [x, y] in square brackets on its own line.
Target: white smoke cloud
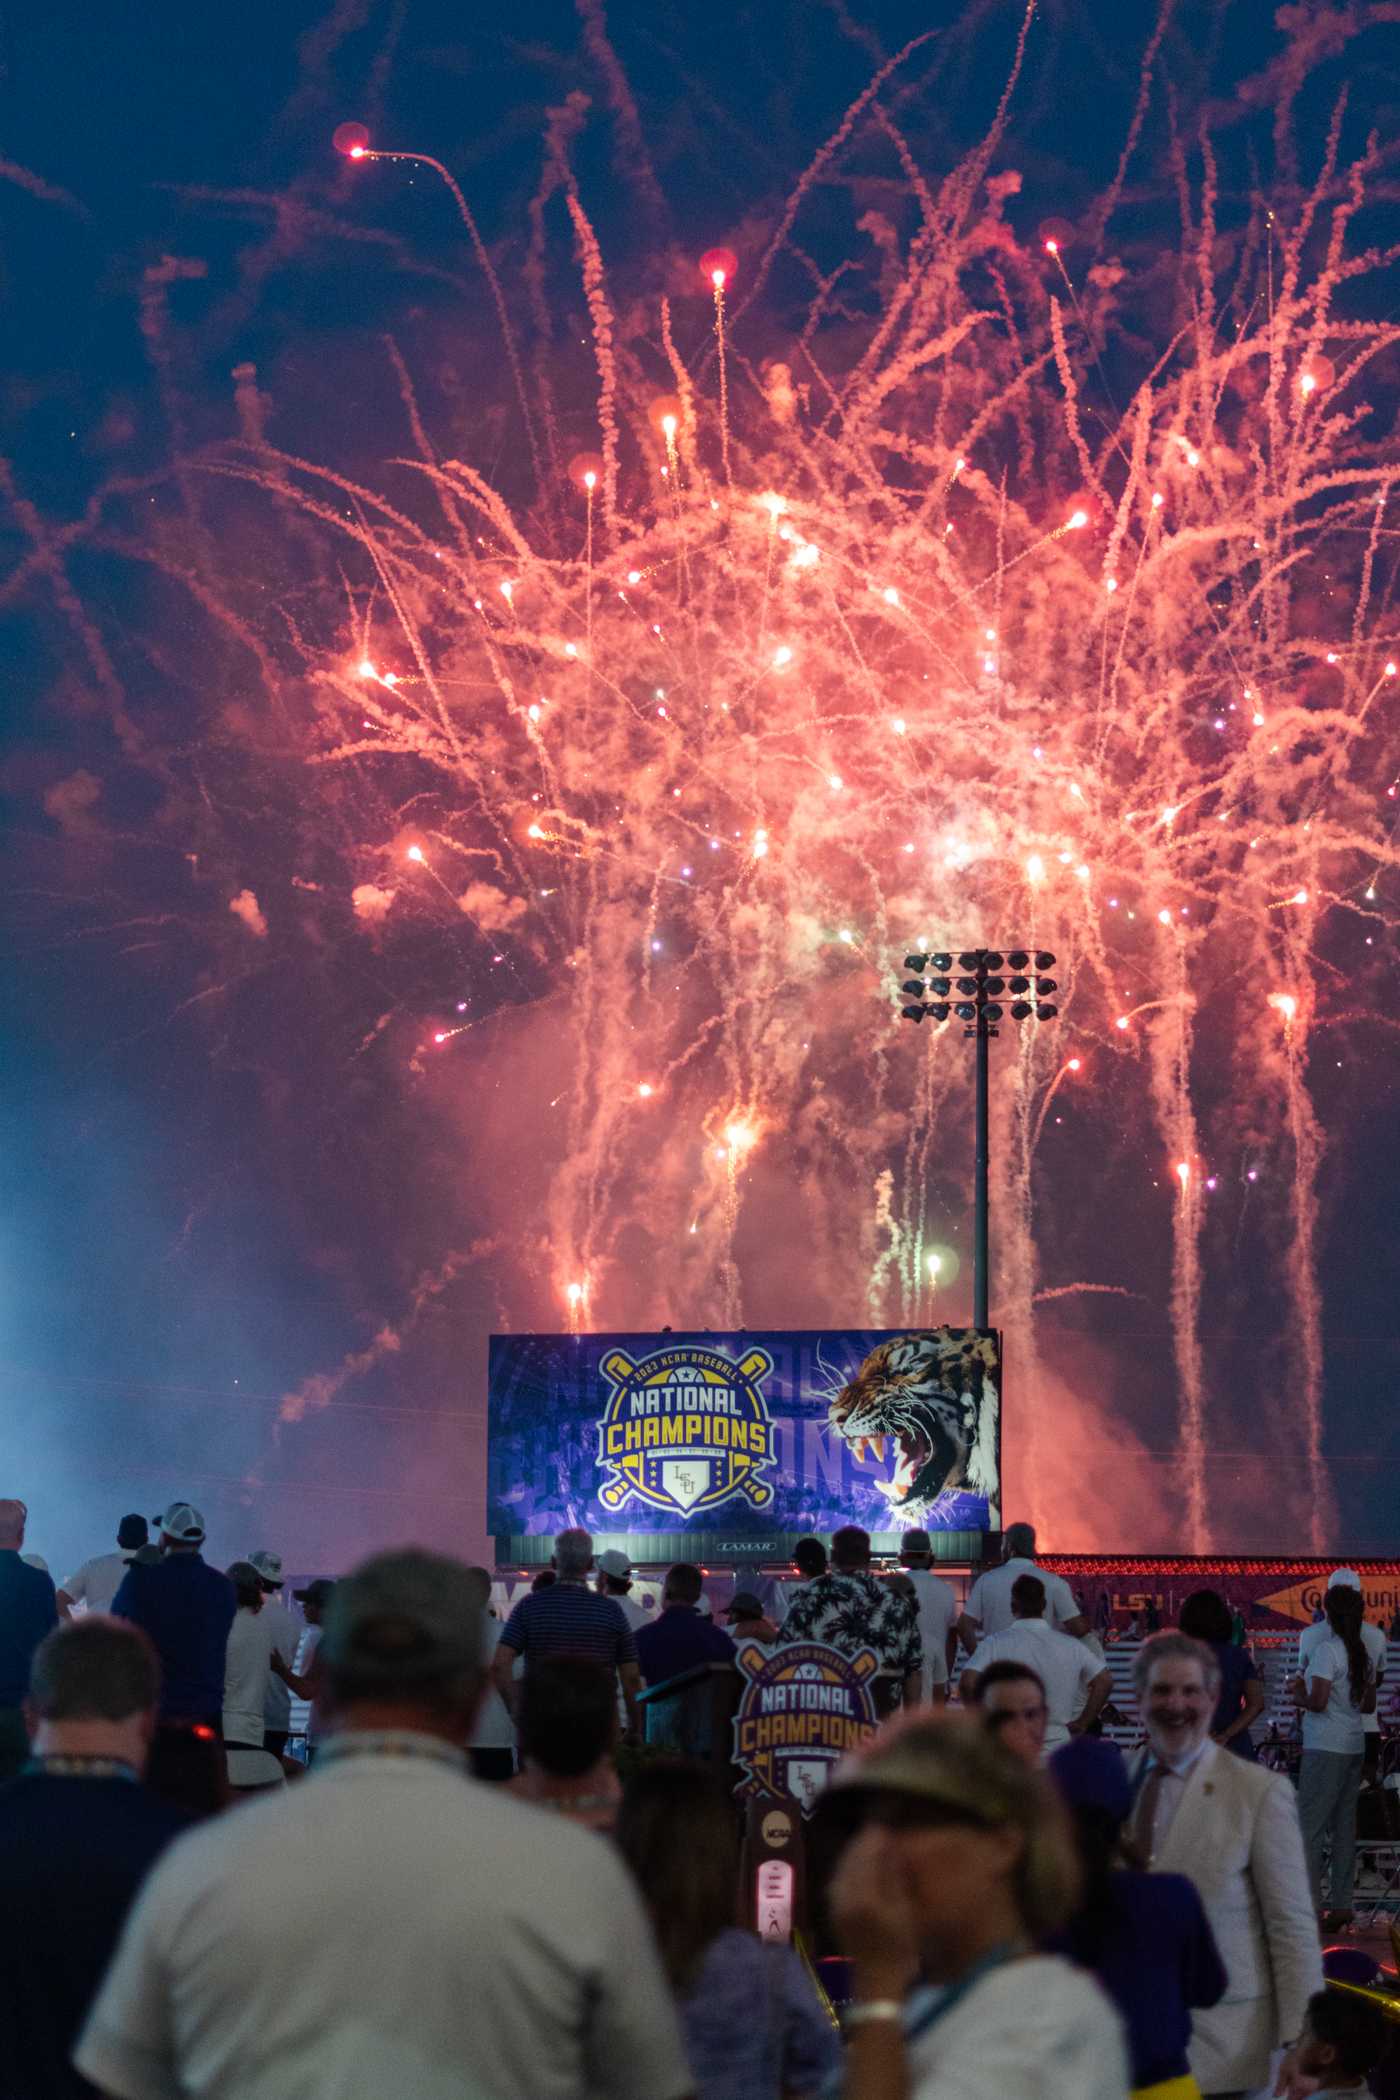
[246, 907]
[371, 903]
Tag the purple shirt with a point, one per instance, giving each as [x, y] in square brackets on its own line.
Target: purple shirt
[754, 2027]
[680, 1640]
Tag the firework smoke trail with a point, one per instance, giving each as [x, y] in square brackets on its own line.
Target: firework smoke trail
[904, 639]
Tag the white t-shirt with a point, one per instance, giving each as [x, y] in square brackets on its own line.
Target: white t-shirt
[494, 1728]
[450, 1944]
[98, 1580]
[636, 1615]
[287, 1631]
[938, 1611]
[1377, 1647]
[247, 1667]
[1030, 2030]
[306, 1655]
[1338, 1727]
[1062, 1663]
[780, 1603]
[990, 1599]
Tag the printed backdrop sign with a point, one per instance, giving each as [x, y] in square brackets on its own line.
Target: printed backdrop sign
[803, 1708]
[748, 1435]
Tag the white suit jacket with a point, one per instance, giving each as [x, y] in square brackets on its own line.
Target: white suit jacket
[1236, 1835]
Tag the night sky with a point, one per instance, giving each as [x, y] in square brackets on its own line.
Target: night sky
[224, 1171]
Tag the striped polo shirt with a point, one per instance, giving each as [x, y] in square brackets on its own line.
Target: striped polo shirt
[570, 1619]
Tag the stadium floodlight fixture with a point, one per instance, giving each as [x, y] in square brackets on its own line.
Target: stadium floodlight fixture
[980, 990]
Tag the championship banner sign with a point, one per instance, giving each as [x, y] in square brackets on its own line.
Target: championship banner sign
[747, 1435]
[803, 1708]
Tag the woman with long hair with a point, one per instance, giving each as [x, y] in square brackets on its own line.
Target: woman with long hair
[1206, 1617]
[961, 1865]
[1338, 1690]
[754, 2027]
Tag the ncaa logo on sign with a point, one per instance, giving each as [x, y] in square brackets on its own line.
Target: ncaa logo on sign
[685, 1428]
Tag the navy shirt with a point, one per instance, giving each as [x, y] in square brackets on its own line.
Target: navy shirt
[187, 1609]
[73, 1853]
[681, 1640]
[1156, 1957]
[570, 1619]
[27, 1612]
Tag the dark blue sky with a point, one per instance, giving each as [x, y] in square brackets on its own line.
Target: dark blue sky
[207, 1196]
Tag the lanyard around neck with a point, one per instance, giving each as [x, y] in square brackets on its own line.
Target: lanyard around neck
[920, 2023]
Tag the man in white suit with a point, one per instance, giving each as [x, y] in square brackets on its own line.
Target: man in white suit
[1233, 1828]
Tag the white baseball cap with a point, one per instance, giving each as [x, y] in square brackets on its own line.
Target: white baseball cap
[183, 1523]
[269, 1567]
[1344, 1579]
[615, 1564]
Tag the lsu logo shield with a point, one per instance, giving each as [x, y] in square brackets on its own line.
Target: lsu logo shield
[685, 1428]
[803, 1708]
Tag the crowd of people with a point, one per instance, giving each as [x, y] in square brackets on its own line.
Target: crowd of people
[483, 1876]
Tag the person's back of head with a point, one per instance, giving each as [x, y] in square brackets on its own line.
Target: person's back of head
[573, 1554]
[1205, 1616]
[1344, 2036]
[809, 1558]
[678, 1833]
[13, 1516]
[1346, 1613]
[132, 1533]
[684, 1584]
[1005, 1672]
[403, 1638]
[545, 1580]
[1028, 1597]
[1018, 1542]
[479, 1581]
[850, 1550]
[568, 1715]
[247, 1585]
[916, 1549]
[1092, 1781]
[93, 1669]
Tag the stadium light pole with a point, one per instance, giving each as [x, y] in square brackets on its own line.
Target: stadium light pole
[974, 998]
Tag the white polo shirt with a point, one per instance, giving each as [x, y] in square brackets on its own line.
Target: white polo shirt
[1062, 1663]
[989, 1601]
[386, 1930]
[938, 1611]
[97, 1581]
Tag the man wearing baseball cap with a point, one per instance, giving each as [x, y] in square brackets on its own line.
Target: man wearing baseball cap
[97, 1581]
[186, 1608]
[449, 1940]
[313, 1601]
[285, 1632]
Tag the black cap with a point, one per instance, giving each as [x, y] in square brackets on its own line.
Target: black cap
[744, 1605]
[133, 1532]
